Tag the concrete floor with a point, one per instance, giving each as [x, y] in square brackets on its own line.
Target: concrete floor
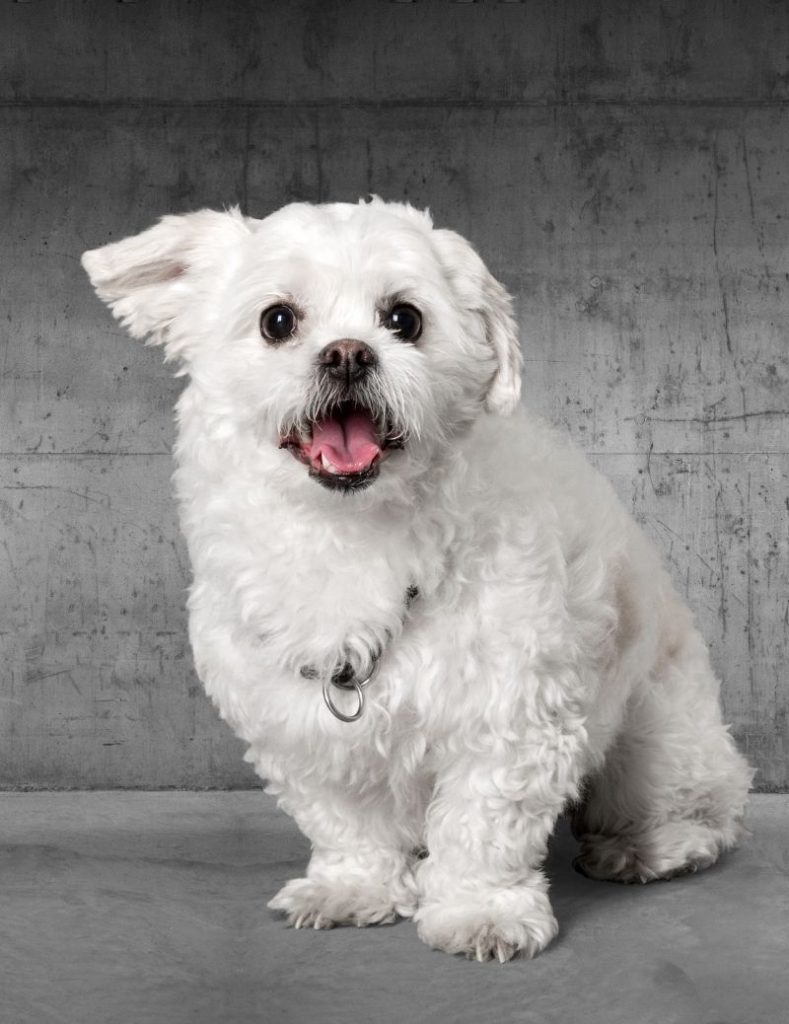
[135, 908]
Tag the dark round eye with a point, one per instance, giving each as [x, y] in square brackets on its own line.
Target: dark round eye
[405, 321]
[277, 323]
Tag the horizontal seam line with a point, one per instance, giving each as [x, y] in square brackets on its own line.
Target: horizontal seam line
[586, 451]
[88, 454]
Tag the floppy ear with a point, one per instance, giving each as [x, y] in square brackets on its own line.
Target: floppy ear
[148, 279]
[479, 290]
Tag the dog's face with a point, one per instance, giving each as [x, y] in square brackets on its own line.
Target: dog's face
[353, 342]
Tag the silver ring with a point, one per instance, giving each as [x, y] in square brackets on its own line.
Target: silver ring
[368, 677]
[357, 686]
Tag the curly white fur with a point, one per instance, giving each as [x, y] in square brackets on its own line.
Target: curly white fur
[547, 660]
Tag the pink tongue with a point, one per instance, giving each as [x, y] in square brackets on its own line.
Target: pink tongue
[349, 443]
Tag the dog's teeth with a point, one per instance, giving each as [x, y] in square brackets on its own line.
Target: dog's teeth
[328, 466]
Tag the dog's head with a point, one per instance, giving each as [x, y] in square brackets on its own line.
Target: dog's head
[353, 342]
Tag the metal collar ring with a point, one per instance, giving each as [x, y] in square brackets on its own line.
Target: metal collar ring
[354, 716]
[344, 678]
[350, 684]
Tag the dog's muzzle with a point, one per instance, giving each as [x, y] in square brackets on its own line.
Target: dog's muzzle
[349, 433]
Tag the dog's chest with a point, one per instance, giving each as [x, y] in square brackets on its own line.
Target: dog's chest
[314, 592]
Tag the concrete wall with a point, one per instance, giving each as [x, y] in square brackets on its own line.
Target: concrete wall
[622, 166]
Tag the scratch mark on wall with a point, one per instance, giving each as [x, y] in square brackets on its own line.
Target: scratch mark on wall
[649, 470]
[757, 228]
[245, 167]
[713, 572]
[718, 271]
[14, 571]
[714, 420]
[719, 550]
[104, 502]
[40, 677]
[749, 569]
[318, 161]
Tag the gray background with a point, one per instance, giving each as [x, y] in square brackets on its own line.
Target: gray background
[622, 167]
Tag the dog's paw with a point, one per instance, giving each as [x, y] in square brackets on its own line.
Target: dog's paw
[489, 925]
[665, 852]
[613, 861]
[307, 903]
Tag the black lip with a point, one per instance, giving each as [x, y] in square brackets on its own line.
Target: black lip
[346, 482]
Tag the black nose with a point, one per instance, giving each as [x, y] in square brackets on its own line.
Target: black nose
[347, 360]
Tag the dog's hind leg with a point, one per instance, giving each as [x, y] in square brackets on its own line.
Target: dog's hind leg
[670, 796]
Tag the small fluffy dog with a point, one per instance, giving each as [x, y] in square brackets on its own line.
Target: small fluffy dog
[431, 620]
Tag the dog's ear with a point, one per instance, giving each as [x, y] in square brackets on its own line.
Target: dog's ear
[480, 292]
[148, 279]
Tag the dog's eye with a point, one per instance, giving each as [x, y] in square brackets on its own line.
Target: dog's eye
[277, 323]
[405, 321]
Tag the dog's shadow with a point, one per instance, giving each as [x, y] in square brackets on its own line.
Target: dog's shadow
[573, 895]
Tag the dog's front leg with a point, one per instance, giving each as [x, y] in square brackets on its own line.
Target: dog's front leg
[360, 869]
[481, 888]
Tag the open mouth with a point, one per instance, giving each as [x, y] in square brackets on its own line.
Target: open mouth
[345, 447]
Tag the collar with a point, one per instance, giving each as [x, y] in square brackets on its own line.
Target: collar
[344, 677]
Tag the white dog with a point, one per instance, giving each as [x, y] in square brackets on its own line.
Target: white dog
[427, 615]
